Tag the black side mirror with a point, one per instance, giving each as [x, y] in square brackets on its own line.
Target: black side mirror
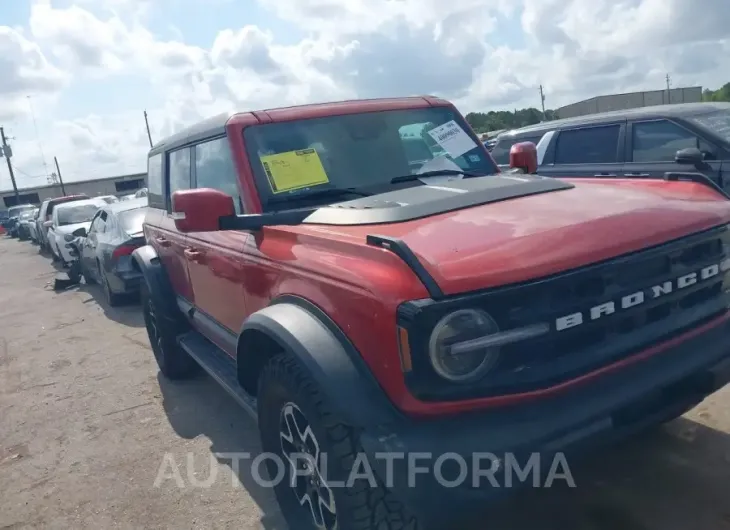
[690, 155]
[79, 232]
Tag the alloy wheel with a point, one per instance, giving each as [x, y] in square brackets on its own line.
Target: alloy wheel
[301, 449]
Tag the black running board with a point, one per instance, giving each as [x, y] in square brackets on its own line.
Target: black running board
[219, 365]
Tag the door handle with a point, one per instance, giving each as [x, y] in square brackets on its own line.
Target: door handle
[605, 175]
[194, 254]
[163, 242]
[637, 174]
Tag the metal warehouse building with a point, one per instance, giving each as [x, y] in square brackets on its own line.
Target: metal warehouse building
[120, 185]
[631, 100]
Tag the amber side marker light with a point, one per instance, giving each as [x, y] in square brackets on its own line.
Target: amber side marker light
[405, 350]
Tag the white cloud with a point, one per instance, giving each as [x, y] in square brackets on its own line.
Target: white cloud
[366, 48]
[23, 69]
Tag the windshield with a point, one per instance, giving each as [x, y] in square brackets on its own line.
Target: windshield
[82, 213]
[27, 214]
[358, 151]
[716, 122]
[132, 220]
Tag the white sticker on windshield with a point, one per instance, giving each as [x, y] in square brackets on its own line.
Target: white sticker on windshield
[452, 138]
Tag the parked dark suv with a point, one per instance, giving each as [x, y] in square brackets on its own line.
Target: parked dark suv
[370, 303]
[643, 142]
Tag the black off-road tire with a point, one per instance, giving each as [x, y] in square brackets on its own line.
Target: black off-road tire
[163, 330]
[359, 507]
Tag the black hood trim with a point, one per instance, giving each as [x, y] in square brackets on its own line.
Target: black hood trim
[434, 200]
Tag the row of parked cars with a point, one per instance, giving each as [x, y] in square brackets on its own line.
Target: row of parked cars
[96, 235]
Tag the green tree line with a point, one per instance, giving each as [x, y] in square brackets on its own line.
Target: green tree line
[721, 94]
[483, 122]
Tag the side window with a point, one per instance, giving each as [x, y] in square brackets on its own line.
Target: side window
[178, 170]
[154, 178]
[101, 223]
[659, 141]
[589, 145]
[94, 224]
[110, 223]
[214, 168]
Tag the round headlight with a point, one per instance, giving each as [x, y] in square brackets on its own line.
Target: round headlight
[460, 326]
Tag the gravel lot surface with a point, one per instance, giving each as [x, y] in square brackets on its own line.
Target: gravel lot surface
[86, 424]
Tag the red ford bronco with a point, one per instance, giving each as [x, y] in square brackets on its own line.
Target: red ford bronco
[362, 278]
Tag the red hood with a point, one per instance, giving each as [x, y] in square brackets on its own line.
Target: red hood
[535, 236]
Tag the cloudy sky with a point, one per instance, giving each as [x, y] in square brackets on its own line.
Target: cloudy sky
[86, 69]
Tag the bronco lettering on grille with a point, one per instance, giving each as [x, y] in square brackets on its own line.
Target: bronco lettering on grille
[639, 297]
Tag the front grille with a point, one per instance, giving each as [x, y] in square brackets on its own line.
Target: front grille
[563, 355]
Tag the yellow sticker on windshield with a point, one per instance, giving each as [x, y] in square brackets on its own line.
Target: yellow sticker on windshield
[294, 170]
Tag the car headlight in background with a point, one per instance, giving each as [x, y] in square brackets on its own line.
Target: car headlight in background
[465, 345]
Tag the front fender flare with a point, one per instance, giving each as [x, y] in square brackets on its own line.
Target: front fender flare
[305, 332]
[156, 279]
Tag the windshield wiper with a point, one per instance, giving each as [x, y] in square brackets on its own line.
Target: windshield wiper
[324, 193]
[434, 173]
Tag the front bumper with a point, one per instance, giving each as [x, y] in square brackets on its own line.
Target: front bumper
[64, 251]
[605, 410]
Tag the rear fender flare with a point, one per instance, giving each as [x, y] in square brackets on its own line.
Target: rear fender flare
[306, 332]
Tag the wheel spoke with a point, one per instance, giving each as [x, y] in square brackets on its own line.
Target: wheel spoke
[327, 502]
[309, 486]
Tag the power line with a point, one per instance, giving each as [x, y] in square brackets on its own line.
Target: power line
[26, 174]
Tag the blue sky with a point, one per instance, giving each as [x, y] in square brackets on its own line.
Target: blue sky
[92, 67]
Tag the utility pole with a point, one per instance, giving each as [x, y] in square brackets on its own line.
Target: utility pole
[669, 94]
[147, 124]
[7, 153]
[60, 178]
[542, 101]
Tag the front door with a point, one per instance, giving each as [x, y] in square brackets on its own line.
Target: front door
[651, 147]
[215, 259]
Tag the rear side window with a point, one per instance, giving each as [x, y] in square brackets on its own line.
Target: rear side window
[154, 179]
[590, 145]
[500, 152]
[131, 221]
